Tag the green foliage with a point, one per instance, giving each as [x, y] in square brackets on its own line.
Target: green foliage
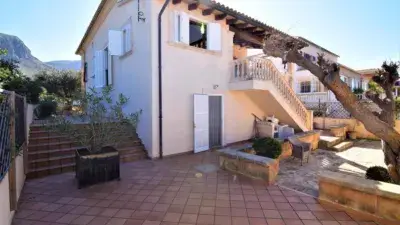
[104, 117]
[378, 173]
[267, 147]
[45, 109]
[24, 86]
[358, 91]
[374, 87]
[63, 84]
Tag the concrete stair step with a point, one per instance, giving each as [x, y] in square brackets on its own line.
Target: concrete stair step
[343, 146]
[50, 170]
[131, 157]
[329, 141]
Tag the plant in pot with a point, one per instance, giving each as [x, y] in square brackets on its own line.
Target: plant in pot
[358, 92]
[267, 147]
[97, 128]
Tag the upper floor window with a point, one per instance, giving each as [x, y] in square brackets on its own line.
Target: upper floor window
[194, 32]
[198, 34]
[305, 87]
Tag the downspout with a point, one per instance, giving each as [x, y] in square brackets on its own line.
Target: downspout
[160, 112]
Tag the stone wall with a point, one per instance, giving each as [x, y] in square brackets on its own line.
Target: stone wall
[372, 197]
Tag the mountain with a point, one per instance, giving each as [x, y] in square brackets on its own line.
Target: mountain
[65, 64]
[17, 50]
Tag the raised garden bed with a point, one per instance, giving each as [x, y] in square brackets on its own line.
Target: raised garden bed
[258, 167]
[376, 198]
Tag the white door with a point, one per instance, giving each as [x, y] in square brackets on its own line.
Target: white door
[201, 126]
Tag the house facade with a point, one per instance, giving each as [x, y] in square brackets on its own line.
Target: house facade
[310, 89]
[209, 91]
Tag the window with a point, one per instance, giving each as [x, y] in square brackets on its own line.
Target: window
[305, 87]
[193, 32]
[126, 38]
[103, 68]
[197, 34]
[307, 56]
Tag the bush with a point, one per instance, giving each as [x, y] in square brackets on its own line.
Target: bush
[267, 147]
[378, 173]
[24, 86]
[45, 109]
[358, 91]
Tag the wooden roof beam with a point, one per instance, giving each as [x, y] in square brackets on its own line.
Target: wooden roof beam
[220, 16]
[241, 25]
[175, 2]
[207, 12]
[231, 21]
[193, 6]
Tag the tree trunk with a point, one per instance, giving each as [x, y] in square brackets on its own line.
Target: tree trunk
[328, 74]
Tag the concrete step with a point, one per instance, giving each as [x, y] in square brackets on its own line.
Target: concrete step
[342, 146]
[326, 142]
[50, 170]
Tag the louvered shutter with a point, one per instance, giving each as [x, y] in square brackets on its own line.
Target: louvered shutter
[184, 28]
[214, 39]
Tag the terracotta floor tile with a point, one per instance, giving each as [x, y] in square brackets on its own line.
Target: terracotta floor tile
[272, 214]
[124, 213]
[67, 218]
[93, 211]
[223, 220]
[329, 222]
[176, 208]
[208, 210]
[79, 210]
[255, 213]
[222, 211]
[156, 216]
[306, 215]
[238, 212]
[116, 221]
[268, 205]
[99, 220]
[133, 222]
[82, 220]
[293, 222]
[159, 207]
[275, 222]
[257, 221]
[140, 214]
[172, 217]
[288, 214]
[342, 216]
[188, 218]
[311, 222]
[191, 209]
[53, 217]
[240, 221]
[205, 220]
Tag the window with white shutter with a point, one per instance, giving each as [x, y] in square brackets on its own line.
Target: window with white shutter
[196, 33]
[99, 76]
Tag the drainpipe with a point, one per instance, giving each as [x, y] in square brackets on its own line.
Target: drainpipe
[160, 113]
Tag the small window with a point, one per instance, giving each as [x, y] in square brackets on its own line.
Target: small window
[305, 87]
[307, 56]
[198, 34]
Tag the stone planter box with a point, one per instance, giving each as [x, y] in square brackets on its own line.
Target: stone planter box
[376, 198]
[338, 130]
[253, 166]
[311, 137]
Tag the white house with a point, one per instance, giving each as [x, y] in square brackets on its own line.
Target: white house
[310, 89]
[185, 64]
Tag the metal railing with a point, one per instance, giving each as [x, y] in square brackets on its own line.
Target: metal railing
[12, 128]
[259, 68]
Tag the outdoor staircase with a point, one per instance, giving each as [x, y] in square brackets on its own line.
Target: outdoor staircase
[263, 83]
[337, 144]
[53, 153]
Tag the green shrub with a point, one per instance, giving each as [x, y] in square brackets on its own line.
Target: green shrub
[267, 147]
[24, 86]
[358, 91]
[378, 173]
[45, 109]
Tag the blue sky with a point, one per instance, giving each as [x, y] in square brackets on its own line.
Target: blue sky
[362, 32]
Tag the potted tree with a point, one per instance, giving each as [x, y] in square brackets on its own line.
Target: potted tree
[97, 127]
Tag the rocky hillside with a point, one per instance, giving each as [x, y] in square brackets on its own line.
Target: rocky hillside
[16, 49]
[65, 64]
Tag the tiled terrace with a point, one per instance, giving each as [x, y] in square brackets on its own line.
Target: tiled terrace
[171, 192]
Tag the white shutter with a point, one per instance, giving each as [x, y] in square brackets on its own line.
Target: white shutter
[110, 69]
[176, 18]
[115, 46]
[201, 123]
[128, 37]
[184, 28]
[313, 85]
[214, 39]
[99, 69]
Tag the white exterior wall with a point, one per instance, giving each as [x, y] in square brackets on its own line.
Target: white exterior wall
[131, 72]
[189, 70]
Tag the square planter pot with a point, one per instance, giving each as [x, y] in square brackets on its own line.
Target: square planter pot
[96, 168]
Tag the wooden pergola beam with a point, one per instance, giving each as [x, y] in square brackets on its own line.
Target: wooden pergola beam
[241, 25]
[193, 6]
[246, 36]
[250, 29]
[207, 12]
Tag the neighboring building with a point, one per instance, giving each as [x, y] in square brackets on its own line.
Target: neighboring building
[309, 88]
[209, 87]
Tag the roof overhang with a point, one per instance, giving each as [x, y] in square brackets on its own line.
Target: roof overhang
[249, 32]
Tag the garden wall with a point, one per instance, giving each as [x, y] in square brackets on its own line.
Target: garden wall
[6, 214]
[375, 198]
[353, 125]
